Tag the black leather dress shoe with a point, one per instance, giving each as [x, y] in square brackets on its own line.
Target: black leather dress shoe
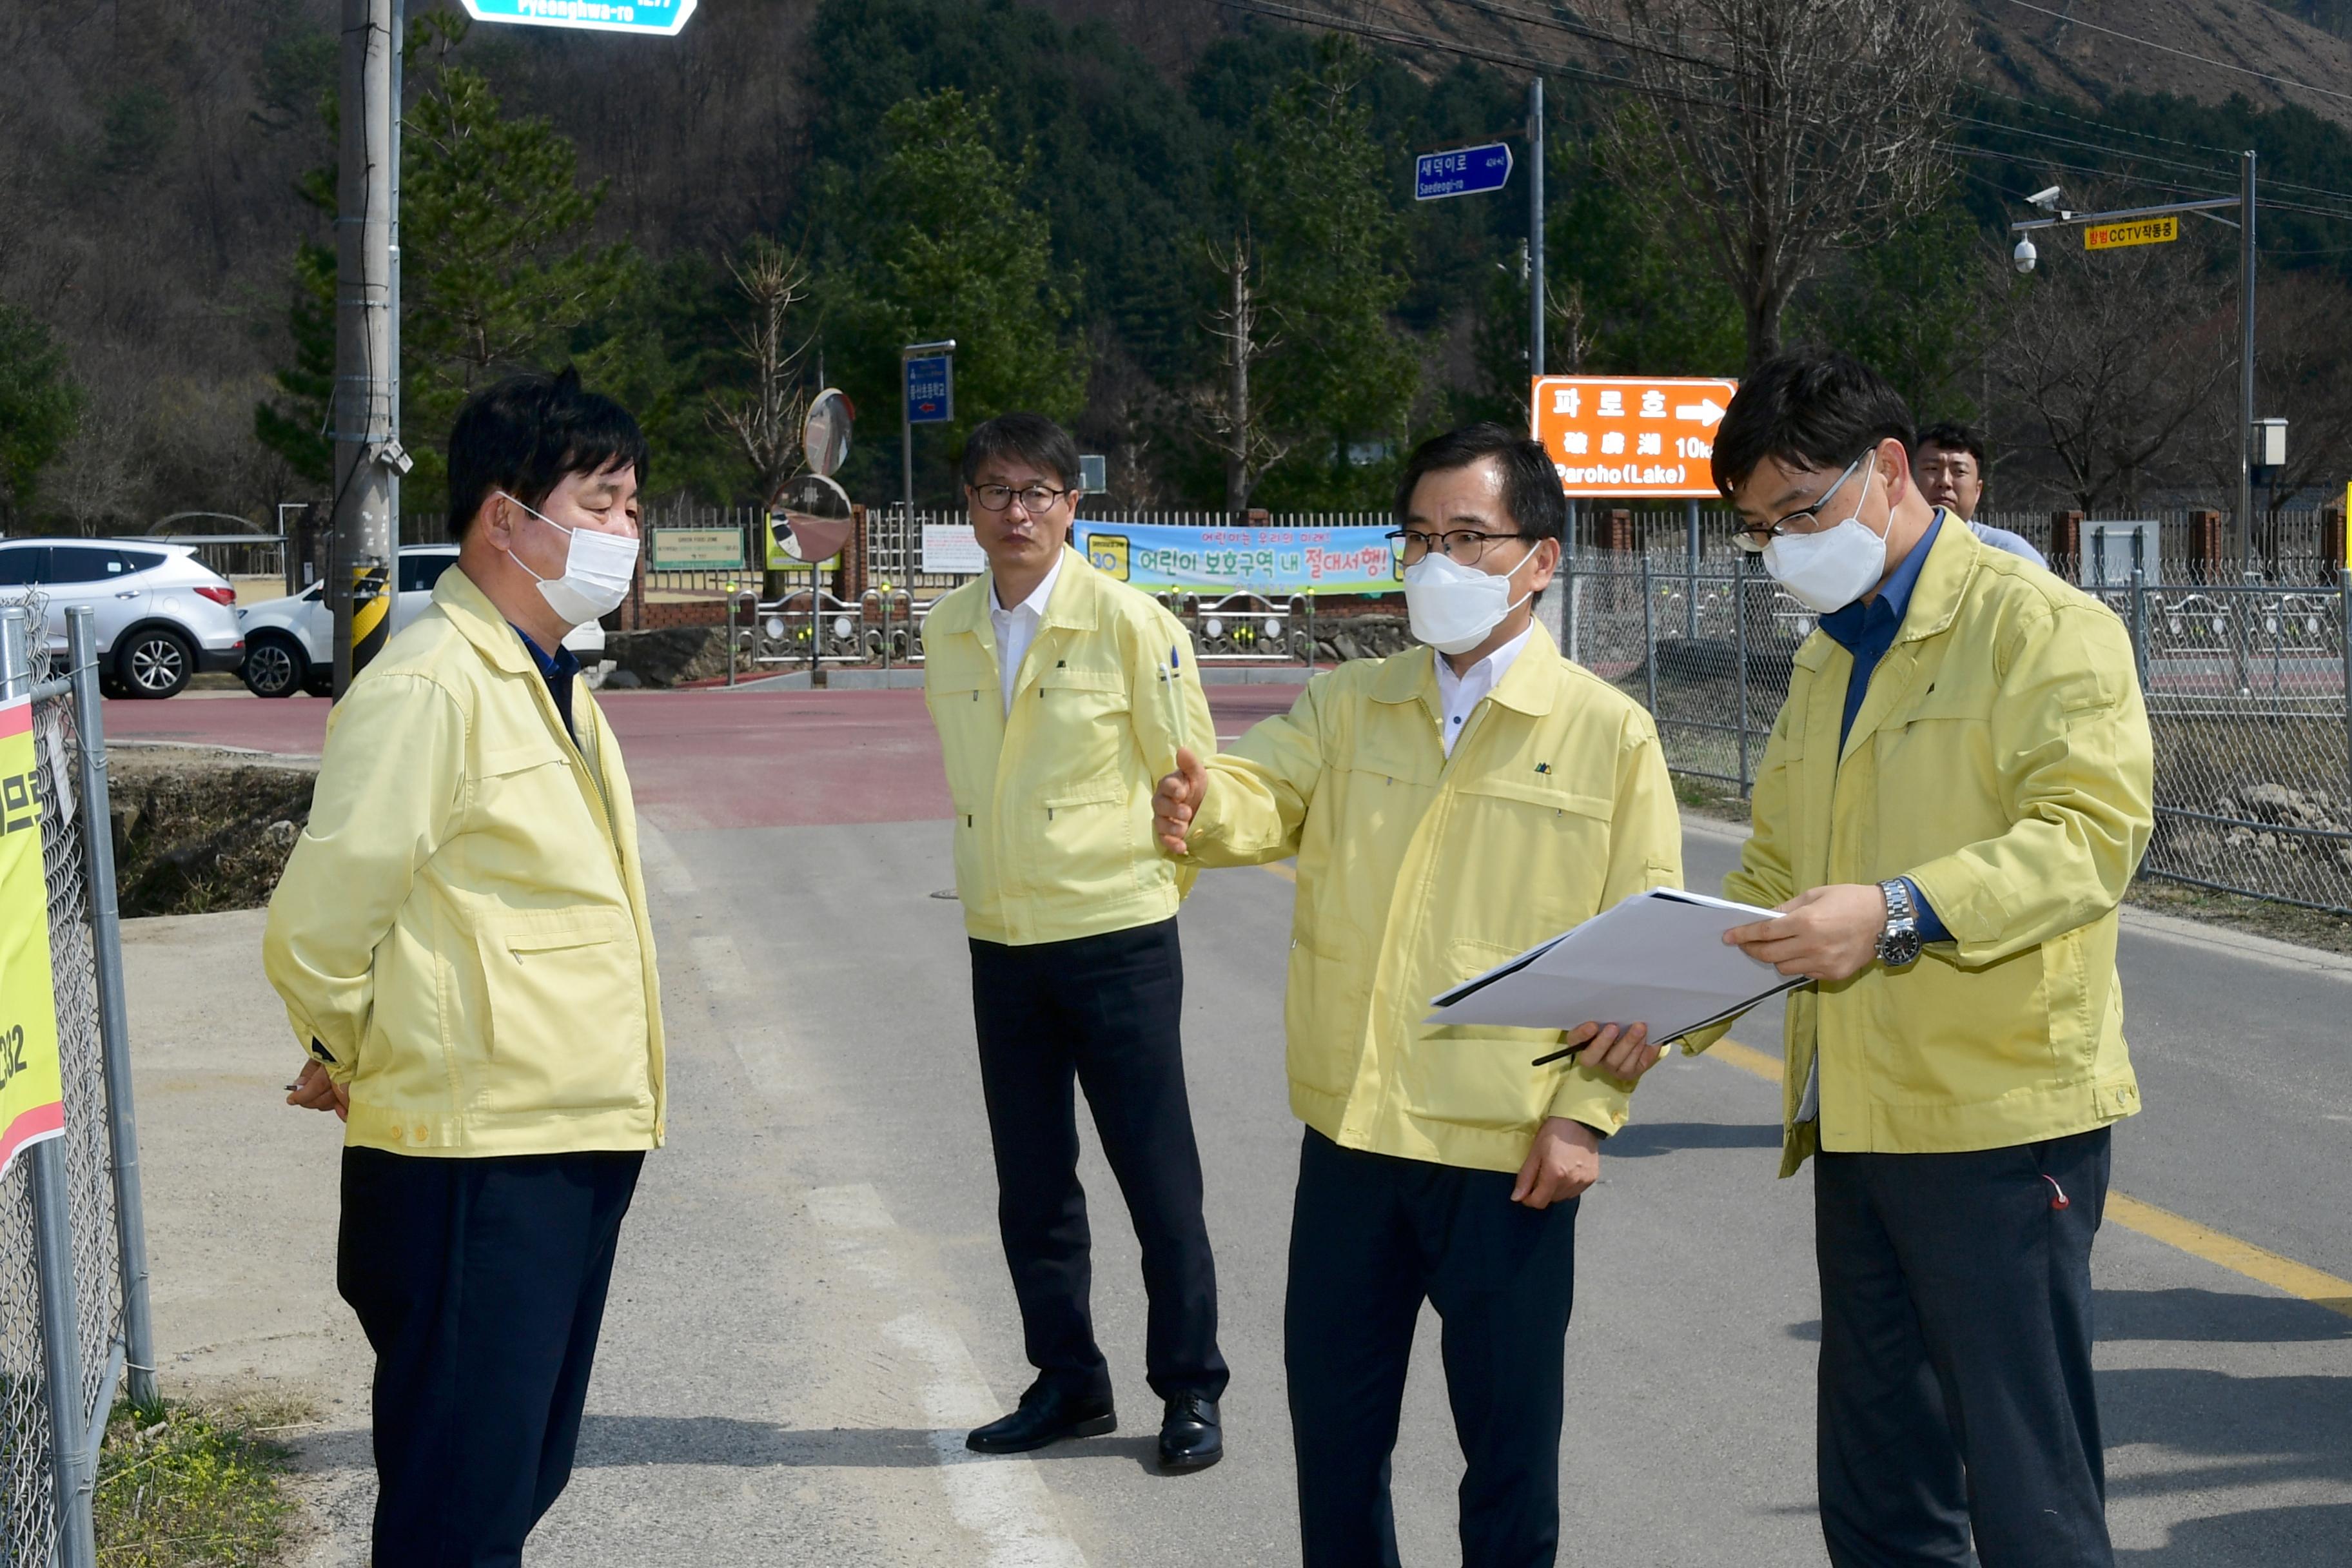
[1047, 1414]
[1190, 1436]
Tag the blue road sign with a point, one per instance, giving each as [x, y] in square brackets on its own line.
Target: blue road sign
[930, 390]
[1462, 172]
[658, 18]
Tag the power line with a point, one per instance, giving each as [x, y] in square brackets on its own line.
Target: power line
[2186, 55]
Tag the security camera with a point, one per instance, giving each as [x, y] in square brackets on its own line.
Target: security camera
[2023, 257]
[2044, 198]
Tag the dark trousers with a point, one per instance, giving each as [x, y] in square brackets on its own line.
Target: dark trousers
[480, 1283]
[1956, 1392]
[1370, 1237]
[1102, 1012]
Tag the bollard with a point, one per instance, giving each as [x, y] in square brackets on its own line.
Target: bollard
[71, 1462]
[113, 1008]
[730, 637]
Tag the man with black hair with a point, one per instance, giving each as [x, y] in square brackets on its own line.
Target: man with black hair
[461, 942]
[1948, 465]
[1449, 808]
[1955, 796]
[1059, 695]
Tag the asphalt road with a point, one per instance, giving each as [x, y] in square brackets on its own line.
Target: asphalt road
[811, 1305]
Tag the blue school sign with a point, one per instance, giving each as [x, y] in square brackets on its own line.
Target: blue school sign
[930, 390]
[656, 18]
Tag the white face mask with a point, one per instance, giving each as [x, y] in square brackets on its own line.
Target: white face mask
[1452, 607]
[1829, 568]
[597, 572]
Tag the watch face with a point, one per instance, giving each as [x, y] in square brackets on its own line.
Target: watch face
[1897, 948]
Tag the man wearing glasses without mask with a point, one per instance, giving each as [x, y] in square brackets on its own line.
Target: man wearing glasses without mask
[1059, 696]
[1450, 807]
[1953, 799]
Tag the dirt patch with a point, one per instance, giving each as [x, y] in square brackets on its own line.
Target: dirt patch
[197, 832]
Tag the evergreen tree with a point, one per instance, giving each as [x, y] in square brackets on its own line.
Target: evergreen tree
[39, 407]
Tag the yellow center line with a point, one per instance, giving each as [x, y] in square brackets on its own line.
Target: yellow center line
[1282, 869]
[2256, 1263]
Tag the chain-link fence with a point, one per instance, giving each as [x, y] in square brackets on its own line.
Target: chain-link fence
[2245, 684]
[73, 1273]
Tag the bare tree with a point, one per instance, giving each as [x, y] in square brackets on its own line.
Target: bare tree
[1790, 128]
[1236, 426]
[2108, 372]
[765, 423]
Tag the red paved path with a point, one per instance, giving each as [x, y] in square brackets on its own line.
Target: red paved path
[700, 759]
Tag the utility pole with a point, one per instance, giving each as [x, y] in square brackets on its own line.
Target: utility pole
[368, 455]
[2246, 367]
[1535, 227]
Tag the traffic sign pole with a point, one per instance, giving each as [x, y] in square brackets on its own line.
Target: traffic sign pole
[943, 351]
[2246, 367]
[1536, 227]
[367, 451]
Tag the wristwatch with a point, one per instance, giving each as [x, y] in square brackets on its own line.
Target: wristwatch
[1898, 944]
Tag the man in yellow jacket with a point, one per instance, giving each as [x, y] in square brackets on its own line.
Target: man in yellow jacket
[1953, 799]
[461, 942]
[1449, 808]
[1059, 696]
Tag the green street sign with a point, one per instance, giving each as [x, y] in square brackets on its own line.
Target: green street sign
[697, 550]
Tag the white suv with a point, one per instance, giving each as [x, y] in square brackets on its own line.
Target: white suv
[289, 644]
[163, 615]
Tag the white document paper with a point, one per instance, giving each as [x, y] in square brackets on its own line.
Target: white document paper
[1658, 958]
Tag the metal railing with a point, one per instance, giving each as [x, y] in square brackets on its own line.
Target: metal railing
[235, 555]
[2245, 685]
[73, 1252]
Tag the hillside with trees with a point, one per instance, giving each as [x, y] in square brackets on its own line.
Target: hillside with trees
[1115, 206]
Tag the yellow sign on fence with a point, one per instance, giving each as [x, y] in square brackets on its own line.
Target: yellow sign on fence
[2139, 231]
[31, 1099]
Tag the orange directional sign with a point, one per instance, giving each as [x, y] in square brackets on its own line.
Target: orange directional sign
[1631, 435]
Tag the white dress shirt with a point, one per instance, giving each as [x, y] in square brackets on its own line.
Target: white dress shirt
[1459, 695]
[1016, 628]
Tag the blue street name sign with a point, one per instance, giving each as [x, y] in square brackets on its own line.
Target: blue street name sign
[1462, 172]
[658, 18]
[930, 390]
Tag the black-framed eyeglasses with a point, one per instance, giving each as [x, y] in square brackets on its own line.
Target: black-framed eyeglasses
[1463, 546]
[1754, 539]
[1035, 499]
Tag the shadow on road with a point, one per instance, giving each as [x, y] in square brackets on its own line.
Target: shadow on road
[2215, 1317]
[1646, 1137]
[616, 1442]
[2258, 1538]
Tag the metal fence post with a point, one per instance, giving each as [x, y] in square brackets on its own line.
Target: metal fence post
[2140, 621]
[2344, 626]
[52, 1248]
[1690, 575]
[1740, 638]
[113, 1008]
[1649, 635]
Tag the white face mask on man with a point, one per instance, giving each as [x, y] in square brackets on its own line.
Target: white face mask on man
[1829, 568]
[1451, 606]
[597, 571]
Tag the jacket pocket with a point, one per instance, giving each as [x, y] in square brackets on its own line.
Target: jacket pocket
[1478, 1077]
[1553, 844]
[1324, 1006]
[567, 1027]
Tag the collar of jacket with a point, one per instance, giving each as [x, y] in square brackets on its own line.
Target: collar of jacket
[1528, 687]
[1936, 597]
[470, 611]
[1076, 605]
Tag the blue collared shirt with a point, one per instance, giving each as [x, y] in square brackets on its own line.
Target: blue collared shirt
[1867, 630]
[558, 669]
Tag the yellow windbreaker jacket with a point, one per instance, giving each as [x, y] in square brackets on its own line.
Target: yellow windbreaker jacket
[1052, 801]
[1417, 871]
[2002, 760]
[462, 927]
